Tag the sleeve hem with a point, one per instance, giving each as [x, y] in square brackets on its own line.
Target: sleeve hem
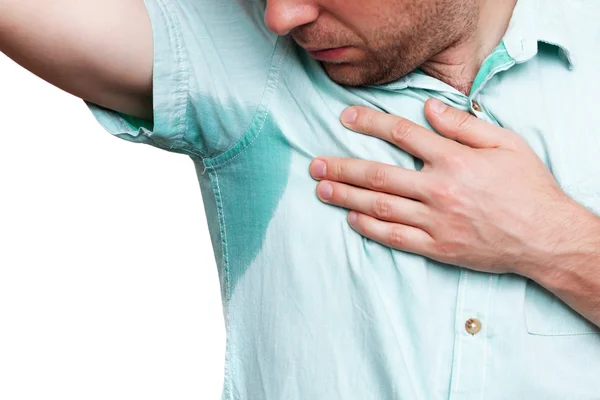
[170, 83]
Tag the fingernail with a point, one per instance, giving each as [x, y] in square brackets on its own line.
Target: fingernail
[349, 115]
[319, 169]
[437, 106]
[352, 217]
[325, 190]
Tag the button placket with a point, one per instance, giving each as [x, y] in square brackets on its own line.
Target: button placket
[474, 300]
[478, 111]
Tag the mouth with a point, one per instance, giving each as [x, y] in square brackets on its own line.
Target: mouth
[329, 54]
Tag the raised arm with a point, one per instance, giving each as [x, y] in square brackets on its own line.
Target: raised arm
[100, 51]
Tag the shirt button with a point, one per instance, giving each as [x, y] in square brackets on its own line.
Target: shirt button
[476, 106]
[473, 325]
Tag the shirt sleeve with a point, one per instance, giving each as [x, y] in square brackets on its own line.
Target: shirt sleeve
[210, 68]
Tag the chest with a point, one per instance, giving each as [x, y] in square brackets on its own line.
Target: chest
[555, 110]
[552, 107]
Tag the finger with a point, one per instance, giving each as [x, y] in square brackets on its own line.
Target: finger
[371, 175]
[410, 137]
[464, 127]
[397, 236]
[383, 206]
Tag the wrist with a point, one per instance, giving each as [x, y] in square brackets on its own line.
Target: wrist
[562, 263]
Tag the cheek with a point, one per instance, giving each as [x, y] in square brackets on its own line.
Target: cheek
[359, 16]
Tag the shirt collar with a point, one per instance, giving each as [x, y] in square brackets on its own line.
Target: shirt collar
[535, 21]
[530, 24]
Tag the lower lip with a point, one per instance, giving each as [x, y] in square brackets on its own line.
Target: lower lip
[330, 54]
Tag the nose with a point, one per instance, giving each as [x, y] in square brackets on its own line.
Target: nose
[282, 16]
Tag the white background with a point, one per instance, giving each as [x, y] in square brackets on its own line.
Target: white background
[108, 283]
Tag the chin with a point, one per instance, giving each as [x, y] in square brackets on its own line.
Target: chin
[349, 74]
[346, 74]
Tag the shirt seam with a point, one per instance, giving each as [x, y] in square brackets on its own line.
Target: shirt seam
[260, 117]
[225, 265]
[179, 143]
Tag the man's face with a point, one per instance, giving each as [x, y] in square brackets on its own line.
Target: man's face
[375, 41]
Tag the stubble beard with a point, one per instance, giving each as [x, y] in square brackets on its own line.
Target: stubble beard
[391, 56]
[378, 67]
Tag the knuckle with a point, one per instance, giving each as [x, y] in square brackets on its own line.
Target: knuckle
[455, 161]
[338, 171]
[396, 238]
[463, 120]
[451, 248]
[447, 250]
[340, 195]
[378, 178]
[445, 193]
[401, 131]
[383, 207]
[368, 120]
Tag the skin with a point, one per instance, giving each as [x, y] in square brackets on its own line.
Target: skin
[101, 52]
[447, 39]
[458, 209]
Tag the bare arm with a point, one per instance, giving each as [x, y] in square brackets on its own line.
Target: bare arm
[572, 270]
[100, 51]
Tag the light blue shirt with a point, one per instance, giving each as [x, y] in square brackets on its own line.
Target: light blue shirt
[315, 311]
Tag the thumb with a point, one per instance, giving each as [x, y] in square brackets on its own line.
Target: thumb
[462, 126]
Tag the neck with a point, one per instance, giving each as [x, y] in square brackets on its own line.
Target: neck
[458, 64]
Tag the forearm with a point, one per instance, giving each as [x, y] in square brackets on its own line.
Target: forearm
[571, 268]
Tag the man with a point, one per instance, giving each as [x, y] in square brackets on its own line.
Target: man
[447, 299]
